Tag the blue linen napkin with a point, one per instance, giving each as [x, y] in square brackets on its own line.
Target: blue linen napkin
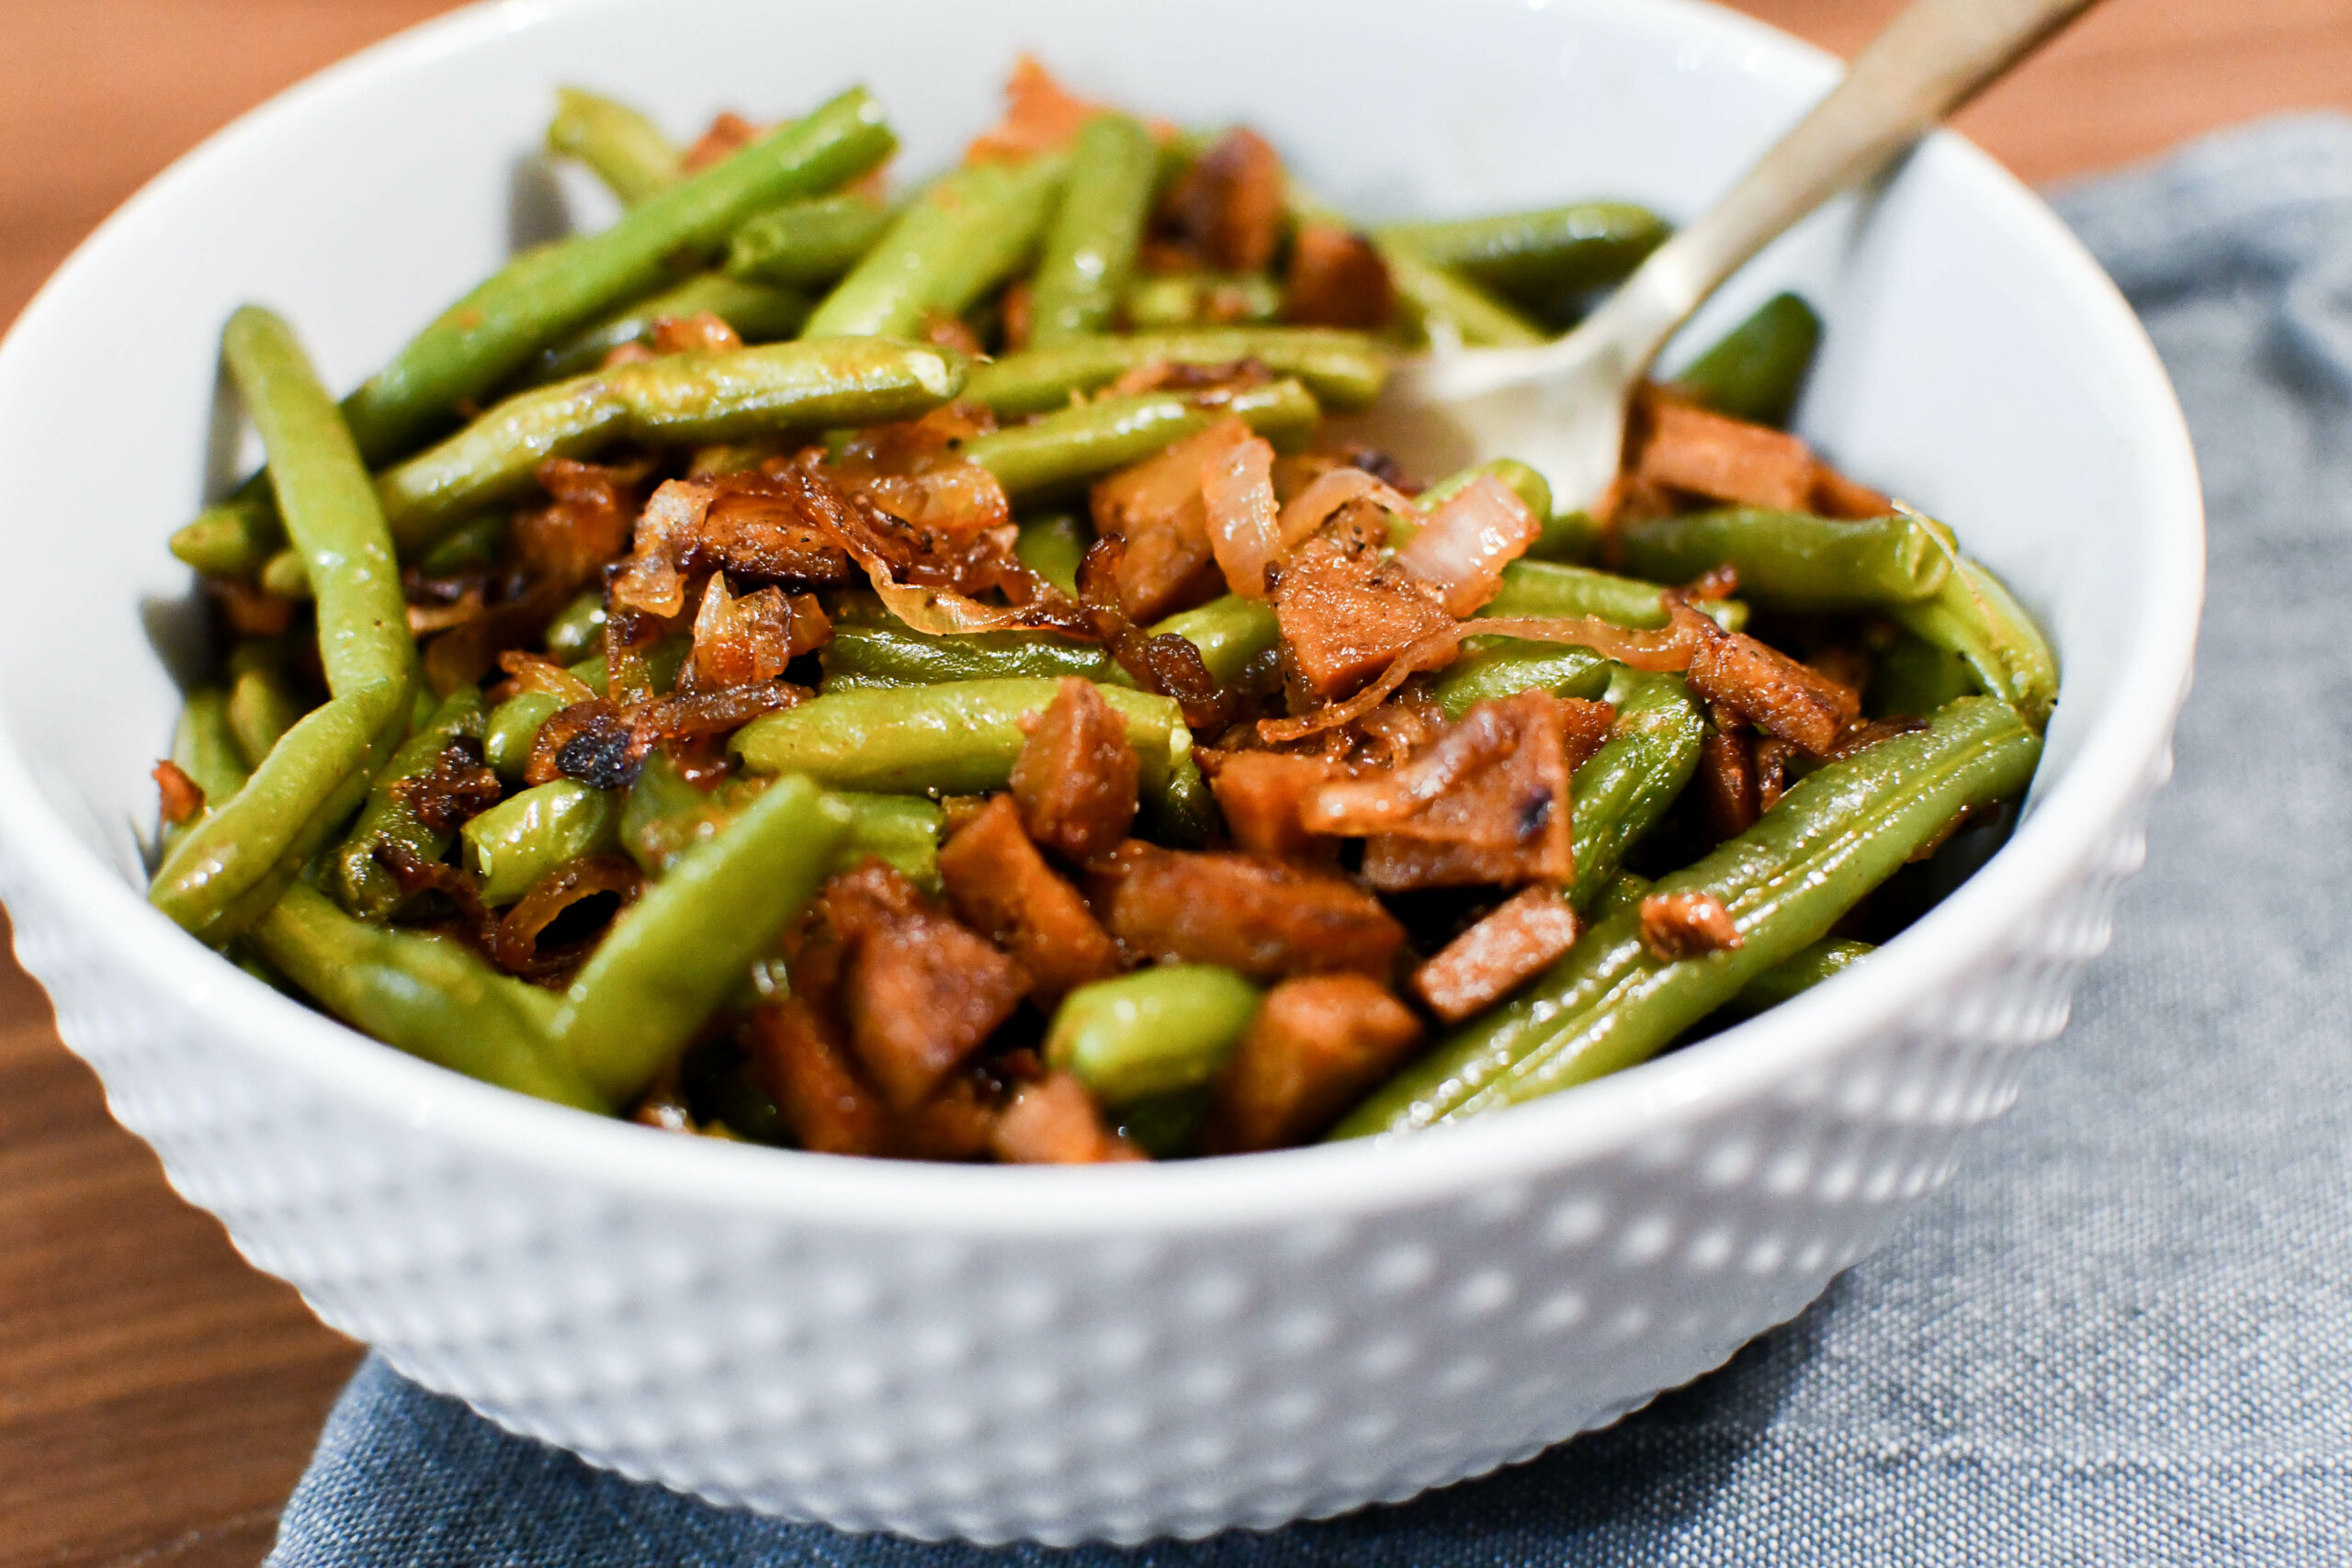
[2124, 1335]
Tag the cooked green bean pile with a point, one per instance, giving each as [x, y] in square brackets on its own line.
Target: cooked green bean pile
[910, 673]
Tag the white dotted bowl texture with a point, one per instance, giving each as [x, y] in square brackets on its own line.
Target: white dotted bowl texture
[1065, 1355]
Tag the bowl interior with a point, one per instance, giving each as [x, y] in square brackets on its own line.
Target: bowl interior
[1975, 361]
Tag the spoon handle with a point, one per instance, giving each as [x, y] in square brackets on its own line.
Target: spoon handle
[1930, 59]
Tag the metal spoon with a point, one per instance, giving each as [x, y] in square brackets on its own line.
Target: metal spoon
[1561, 407]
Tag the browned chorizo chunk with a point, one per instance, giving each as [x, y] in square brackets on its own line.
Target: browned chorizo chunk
[1003, 887]
[818, 1089]
[1510, 945]
[1485, 803]
[1260, 794]
[771, 525]
[1346, 616]
[1076, 777]
[1054, 1122]
[1157, 510]
[1727, 784]
[921, 993]
[1773, 692]
[1686, 925]
[1228, 207]
[1316, 1045]
[1263, 919]
[1704, 453]
[1337, 279]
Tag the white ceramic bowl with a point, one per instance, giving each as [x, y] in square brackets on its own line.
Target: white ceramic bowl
[1060, 1354]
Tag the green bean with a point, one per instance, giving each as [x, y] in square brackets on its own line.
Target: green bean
[684, 947]
[234, 535]
[261, 707]
[1438, 304]
[1182, 812]
[1553, 587]
[760, 312]
[1494, 666]
[310, 779]
[1549, 258]
[327, 505]
[425, 994]
[1152, 1033]
[205, 748]
[1622, 790]
[1809, 967]
[1758, 368]
[468, 546]
[1792, 560]
[664, 815]
[1609, 1003]
[892, 654]
[541, 296]
[677, 399]
[1084, 442]
[629, 152]
[808, 245]
[514, 725]
[1975, 617]
[1343, 369]
[957, 738]
[578, 630]
[363, 884]
[973, 229]
[523, 837]
[1914, 676]
[901, 830]
[1230, 631]
[1169, 300]
[1090, 249]
[1053, 547]
[1573, 537]
[284, 575]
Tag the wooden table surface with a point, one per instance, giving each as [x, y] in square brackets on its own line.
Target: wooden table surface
[157, 1396]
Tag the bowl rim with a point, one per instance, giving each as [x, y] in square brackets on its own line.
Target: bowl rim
[2126, 744]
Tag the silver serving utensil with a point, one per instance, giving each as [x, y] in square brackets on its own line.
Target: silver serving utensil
[1561, 407]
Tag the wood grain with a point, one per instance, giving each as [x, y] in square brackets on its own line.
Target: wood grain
[158, 1397]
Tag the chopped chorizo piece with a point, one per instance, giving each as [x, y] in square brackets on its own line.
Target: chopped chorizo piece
[1260, 794]
[1835, 496]
[1461, 551]
[183, 797]
[1228, 207]
[1775, 768]
[954, 1124]
[1001, 886]
[1773, 692]
[1155, 508]
[1076, 776]
[1686, 925]
[740, 642]
[1315, 1046]
[1727, 784]
[818, 1089]
[729, 134]
[457, 790]
[1054, 1121]
[921, 993]
[1513, 943]
[703, 331]
[1348, 616]
[1040, 114]
[1691, 448]
[773, 526]
[1337, 279]
[1487, 803]
[1261, 917]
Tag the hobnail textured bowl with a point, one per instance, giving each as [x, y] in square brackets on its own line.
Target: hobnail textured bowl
[1057, 1354]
